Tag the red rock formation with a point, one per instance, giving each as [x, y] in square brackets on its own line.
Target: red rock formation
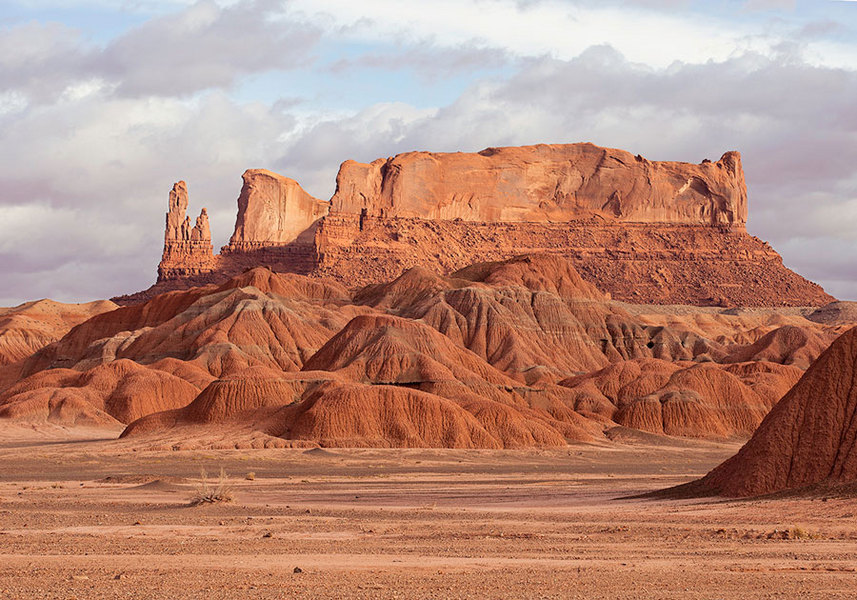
[467, 361]
[642, 231]
[789, 345]
[278, 325]
[544, 183]
[121, 391]
[274, 210]
[808, 438]
[638, 263]
[703, 400]
[26, 328]
[187, 250]
[381, 381]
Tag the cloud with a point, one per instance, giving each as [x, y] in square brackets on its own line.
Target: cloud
[556, 28]
[204, 46]
[38, 60]
[428, 60]
[770, 4]
[93, 136]
[85, 185]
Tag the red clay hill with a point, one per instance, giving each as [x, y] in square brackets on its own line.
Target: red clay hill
[642, 231]
[809, 438]
[505, 354]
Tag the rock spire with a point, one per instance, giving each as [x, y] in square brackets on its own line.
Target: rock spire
[187, 250]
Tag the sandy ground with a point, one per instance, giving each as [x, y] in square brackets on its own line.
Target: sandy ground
[87, 519]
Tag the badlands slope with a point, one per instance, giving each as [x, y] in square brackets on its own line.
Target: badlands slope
[808, 439]
[507, 354]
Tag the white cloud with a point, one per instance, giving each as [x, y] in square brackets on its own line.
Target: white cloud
[85, 184]
[770, 4]
[92, 137]
[550, 27]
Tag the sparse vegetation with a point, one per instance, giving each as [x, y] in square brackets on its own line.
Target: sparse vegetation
[800, 533]
[251, 476]
[212, 492]
[793, 533]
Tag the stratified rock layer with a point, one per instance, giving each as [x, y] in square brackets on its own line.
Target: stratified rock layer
[505, 354]
[808, 438]
[642, 231]
[187, 250]
[33, 325]
[544, 183]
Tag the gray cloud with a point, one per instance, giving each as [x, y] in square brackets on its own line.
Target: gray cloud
[84, 187]
[201, 47]
[205, 46]
[41, 59]
[85, 174]
[770, 4]
[428, 60]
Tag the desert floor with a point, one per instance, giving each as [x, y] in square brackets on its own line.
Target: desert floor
[96, 519]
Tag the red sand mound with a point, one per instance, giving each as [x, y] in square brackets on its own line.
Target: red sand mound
[809, 437]
[538, 273]
[703, 400]
[384, 381]
[384, 349]
[233, 399]
[532, 317]
[788, 345]
[257, 318]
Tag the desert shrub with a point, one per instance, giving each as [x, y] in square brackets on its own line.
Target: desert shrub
[211, 492]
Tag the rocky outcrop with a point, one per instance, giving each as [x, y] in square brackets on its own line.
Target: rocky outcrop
[642, 231]
[516, 353]
[187, 250]
[120, 391]
[544, 183]
[633, 262]
[703, 400]
[274, 210]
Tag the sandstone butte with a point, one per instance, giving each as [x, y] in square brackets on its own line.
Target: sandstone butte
[642, 231]
[460, 300]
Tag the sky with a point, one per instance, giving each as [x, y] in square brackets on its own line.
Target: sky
[104, 104]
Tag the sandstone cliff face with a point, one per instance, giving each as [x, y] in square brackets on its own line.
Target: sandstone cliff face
[642, 231]
[187, 250]
[545, 183]
[274, 210]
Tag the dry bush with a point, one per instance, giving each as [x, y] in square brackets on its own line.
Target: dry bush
[801, 533]
[212, 492]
